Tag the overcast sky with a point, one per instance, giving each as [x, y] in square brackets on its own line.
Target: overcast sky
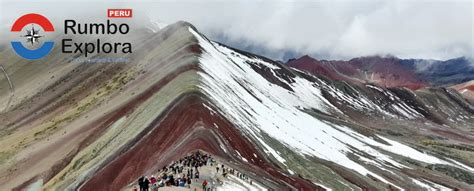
[438, 29]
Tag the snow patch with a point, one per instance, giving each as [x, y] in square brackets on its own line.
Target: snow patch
[36, 186]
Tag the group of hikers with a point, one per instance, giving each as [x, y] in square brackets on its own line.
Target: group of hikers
[181, 173]
[226, 171]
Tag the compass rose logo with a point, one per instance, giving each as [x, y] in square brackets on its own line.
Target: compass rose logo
[32, 36]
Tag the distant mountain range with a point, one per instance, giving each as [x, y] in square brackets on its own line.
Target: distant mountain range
[391, 71]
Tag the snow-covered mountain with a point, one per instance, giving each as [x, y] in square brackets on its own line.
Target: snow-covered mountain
[85, 125]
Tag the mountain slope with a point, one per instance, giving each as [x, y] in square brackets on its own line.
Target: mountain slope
[283, 127]
[466, 89]
[383, 71]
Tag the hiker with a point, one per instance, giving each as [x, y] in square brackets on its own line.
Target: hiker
[154, 187]
[165, 176]
[161, 183]
[182, 182]
[146, 183]
[224, 174]
[172, 180]
[153, 180]
[217, 169]
[204, 185]
[140, 182]
[189, 181]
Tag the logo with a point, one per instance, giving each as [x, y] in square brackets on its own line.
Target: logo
[78, 39]
[32, 36]
[119, 13]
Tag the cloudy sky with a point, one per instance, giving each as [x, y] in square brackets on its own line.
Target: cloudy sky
[437, 29]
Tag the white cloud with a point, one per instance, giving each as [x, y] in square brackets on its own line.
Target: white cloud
[340, 29]
[333, 29]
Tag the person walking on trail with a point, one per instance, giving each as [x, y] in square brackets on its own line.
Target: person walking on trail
[140, 182]
[189, 182]
[153, 180]
[146, 184]
[161, 183]
[154, 187]
[204, 185]
[224, 174]
[196, 175]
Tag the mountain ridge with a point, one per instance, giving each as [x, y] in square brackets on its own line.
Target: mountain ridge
[390, 71]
